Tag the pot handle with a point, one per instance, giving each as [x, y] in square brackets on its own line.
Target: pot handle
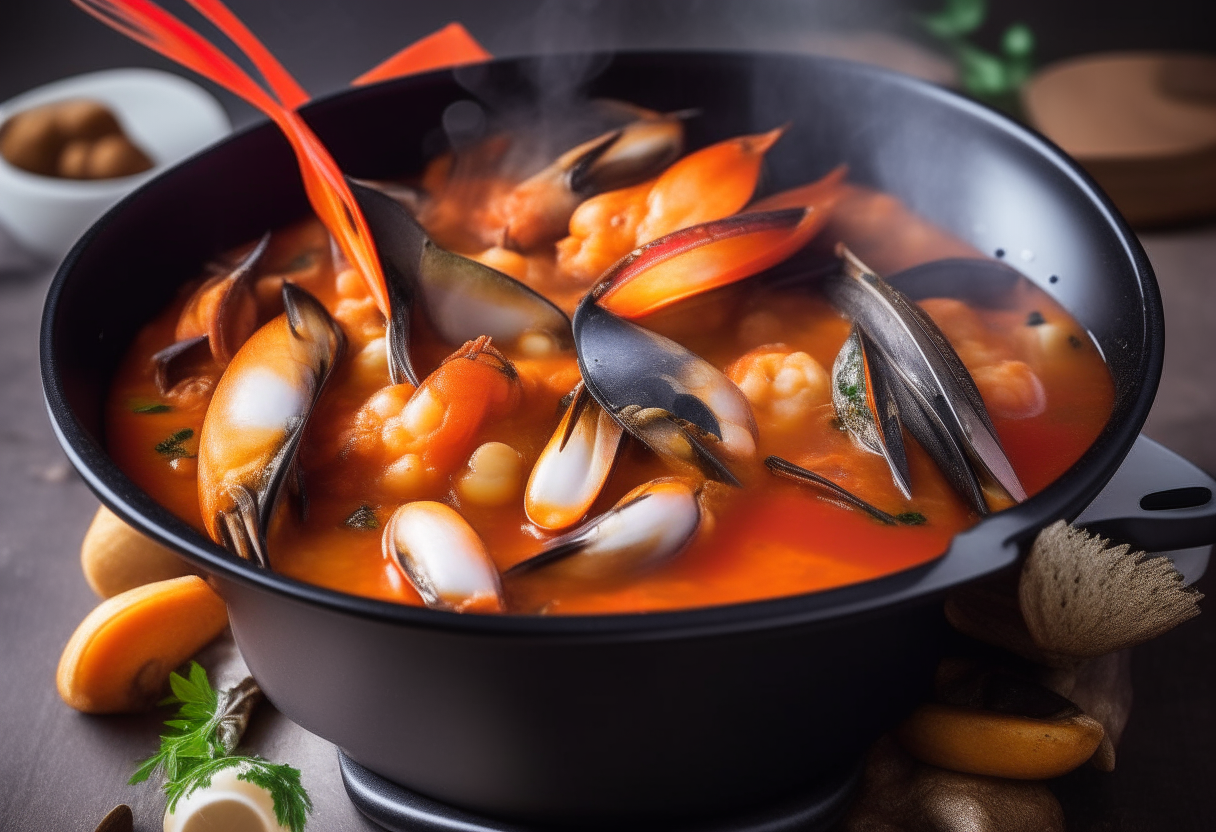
[1157, 501]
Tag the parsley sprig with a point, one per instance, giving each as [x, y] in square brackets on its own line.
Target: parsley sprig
[291, 801]
[174, 447]
[200, 745]
[195, 735]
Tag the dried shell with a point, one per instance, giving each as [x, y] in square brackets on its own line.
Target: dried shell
[1082, 597]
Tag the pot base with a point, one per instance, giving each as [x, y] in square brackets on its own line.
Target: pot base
[400, 810]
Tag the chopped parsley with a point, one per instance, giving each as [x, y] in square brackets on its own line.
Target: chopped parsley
[1035, 318]
[849, 391]
[362, 519]
[911, 518]
[173, 446]
[195, 750]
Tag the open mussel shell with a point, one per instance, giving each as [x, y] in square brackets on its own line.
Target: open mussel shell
[575, 464]
[866, 404]
[677, 403]
[221, 314]
[443, 558]
[649, 526]
[634, 153]
[538, 210]
[254, 423]
[461, 298]
[933, 378]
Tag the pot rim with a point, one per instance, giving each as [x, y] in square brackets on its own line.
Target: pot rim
[993, 544]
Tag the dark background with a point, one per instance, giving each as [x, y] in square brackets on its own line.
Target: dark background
[1167, 765]
[327, 42]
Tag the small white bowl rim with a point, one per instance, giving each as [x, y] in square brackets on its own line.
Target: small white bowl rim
[79, 86]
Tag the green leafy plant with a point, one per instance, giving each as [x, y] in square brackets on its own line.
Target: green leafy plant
[198, 747]
[994, 78]
[195, 731]
[291, 801]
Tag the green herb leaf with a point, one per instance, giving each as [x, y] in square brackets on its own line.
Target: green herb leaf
[193, 753]
[958, 18]
[194, 731]
[1018, 41]
[292, 804]
[302, 261]
[912, 518]
[150, 407]
[990, 77]
[173, 447]
[983, 74]
[363, 519]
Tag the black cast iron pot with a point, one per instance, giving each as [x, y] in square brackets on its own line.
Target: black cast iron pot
[634, 718]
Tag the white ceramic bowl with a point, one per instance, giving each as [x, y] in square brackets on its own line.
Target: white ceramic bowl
[169, 117]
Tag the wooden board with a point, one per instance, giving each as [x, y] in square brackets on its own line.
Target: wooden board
[1143, 124]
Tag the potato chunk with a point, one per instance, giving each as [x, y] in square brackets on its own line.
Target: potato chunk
[119, 658]
[116, 558]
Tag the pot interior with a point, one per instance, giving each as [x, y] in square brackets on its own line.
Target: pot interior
[989, 182]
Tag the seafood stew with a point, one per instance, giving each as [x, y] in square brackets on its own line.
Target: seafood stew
[602, 721]
[656, 517]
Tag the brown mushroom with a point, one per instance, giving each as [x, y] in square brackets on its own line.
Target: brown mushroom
[1101, 687]
[996, 723]
[900, 795]
[116, 558]
[1081, 597]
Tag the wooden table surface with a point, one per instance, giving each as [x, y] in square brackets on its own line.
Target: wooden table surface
[60, 770]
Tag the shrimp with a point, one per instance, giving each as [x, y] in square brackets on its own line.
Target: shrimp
[712, 183]
[428, 432]
[782, 385]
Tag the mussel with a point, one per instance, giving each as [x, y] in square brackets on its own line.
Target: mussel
[460, 298]
[935, 396]
[252, 429]
[221, 314]
[538, 210]
[574, 465]
[866, 404]
[678, 404]
[443, 558]
[648, 526]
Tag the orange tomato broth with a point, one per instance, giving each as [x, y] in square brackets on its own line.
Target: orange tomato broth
[771, 538]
